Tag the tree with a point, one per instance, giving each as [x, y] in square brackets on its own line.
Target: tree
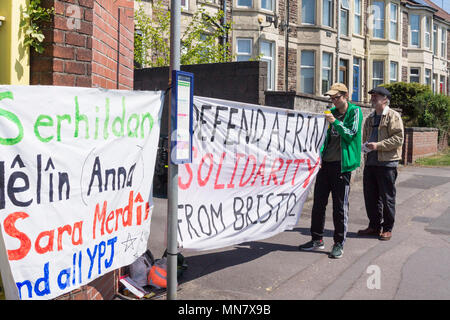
[199, 41]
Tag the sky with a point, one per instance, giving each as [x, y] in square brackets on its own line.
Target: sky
[445, 4]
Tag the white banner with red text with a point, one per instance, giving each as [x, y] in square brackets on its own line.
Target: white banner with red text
[251, 172]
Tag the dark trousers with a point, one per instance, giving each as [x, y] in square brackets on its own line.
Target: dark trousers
[330, 179]
[379, 196]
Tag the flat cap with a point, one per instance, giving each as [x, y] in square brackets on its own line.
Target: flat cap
[382, 91]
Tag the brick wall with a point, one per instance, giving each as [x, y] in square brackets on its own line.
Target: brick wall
[85, 47]
[281, 67]
[419, 142]
[448, 44]
[103, 288]
[293, 15]
[405, 29]
[113, 44]
[89, 43]
[405, 74]
[67, 57]
[292, 69]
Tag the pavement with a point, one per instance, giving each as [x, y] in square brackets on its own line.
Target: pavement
[414, 264]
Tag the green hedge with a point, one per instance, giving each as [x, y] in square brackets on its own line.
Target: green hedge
[420, 106]
[403, 97]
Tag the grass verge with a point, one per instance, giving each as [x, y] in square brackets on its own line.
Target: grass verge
[441, 159]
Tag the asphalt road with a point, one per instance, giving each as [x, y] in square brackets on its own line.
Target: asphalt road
[414, 264]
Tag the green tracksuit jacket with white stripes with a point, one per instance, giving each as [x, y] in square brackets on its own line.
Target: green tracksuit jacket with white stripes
[350, 132]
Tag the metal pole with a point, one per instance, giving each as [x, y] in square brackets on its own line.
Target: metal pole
[172, 190]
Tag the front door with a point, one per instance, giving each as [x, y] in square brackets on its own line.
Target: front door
[355, 95]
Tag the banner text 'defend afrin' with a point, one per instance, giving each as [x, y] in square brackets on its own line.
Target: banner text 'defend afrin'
[250, 174]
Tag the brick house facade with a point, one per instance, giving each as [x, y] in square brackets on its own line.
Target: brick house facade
[340, 44]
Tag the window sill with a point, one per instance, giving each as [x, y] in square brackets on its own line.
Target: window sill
[385, 41]
[355, 35]
[208, 3]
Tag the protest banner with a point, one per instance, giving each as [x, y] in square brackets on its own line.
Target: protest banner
[76, 172]
[251, 172]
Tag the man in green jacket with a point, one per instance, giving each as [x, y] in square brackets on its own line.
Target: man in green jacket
[341, 154]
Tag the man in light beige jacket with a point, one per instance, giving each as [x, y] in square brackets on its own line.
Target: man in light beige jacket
[383, 140]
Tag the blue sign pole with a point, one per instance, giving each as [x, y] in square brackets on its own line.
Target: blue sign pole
[181, 116]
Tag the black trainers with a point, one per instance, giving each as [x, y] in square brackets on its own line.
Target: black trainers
[312, 245]
[337, 252]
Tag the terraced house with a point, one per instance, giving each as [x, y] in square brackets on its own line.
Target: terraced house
[309, 44]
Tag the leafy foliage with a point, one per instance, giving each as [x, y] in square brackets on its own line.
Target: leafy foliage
[420, 106]
[403, 95]
[199, 41]
[32, 18]
[434, 111]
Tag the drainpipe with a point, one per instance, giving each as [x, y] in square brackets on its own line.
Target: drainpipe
[338, 37]
[433, 86]
[224, 22]
[366, 62]
[286, 45]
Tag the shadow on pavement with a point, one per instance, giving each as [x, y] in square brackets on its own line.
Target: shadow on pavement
[205, 264]
[329, 233]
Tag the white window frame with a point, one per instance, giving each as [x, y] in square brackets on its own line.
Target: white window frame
[427, 32]
[344, 68]
[239, 53]
[435, 39]
[393, 21]
[345, 4]
[272, 5]
[270, 64]
[379, 80]
[306, 15]
[381, 19]
[434, 86]
[428, 77]
[303, 67]
[347, 13]
[415, 75]
[443, 41]
[358, 17]
[244, 6]
[186, 5]
[330, 13]
[395, 65]
[441, 82]
[414, 31]
[329, 70]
